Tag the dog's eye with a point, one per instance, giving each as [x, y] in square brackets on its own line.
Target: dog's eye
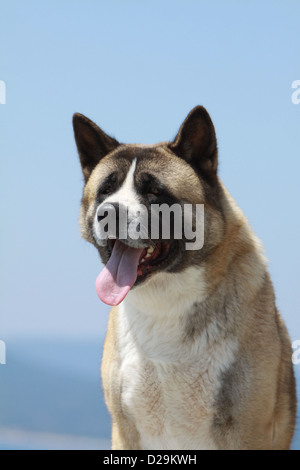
[106, 190]
[108, 186]
[153, 191]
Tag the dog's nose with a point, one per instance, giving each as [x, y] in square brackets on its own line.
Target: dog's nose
[108, 209]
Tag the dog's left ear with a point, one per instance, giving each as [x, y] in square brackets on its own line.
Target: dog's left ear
[92, 143]
[196, 142]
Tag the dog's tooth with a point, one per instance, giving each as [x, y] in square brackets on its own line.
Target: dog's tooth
[143, 260]
[148, 255]
[150, 249]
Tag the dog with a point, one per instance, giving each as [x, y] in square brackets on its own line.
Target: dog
[196, 354]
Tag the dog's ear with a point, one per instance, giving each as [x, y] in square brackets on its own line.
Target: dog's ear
[92, 143]
[196, 142]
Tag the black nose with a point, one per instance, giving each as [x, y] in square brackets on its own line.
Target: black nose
[107, 208]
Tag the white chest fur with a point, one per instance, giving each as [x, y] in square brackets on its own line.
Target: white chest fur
[168, 384]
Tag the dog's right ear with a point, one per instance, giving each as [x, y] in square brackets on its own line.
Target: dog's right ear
[92, 143]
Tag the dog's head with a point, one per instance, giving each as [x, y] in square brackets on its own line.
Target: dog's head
[128, 186]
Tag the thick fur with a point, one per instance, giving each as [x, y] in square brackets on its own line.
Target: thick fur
[196, 356]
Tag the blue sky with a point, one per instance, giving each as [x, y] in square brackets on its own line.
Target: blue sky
[137, 68]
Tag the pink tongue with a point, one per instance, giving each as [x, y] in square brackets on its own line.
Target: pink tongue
[119, 274]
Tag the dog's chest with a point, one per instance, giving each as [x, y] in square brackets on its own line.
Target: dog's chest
[169, 394]
[172, 405]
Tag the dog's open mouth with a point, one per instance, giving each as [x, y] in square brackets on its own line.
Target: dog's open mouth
[127, 266]
[153, 257]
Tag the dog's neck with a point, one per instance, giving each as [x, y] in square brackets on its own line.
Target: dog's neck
[154, 314]
[169, 293]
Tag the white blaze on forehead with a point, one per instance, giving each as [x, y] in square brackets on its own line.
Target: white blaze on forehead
[126, 194]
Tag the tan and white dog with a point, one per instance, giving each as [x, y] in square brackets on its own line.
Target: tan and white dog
[196, 354]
